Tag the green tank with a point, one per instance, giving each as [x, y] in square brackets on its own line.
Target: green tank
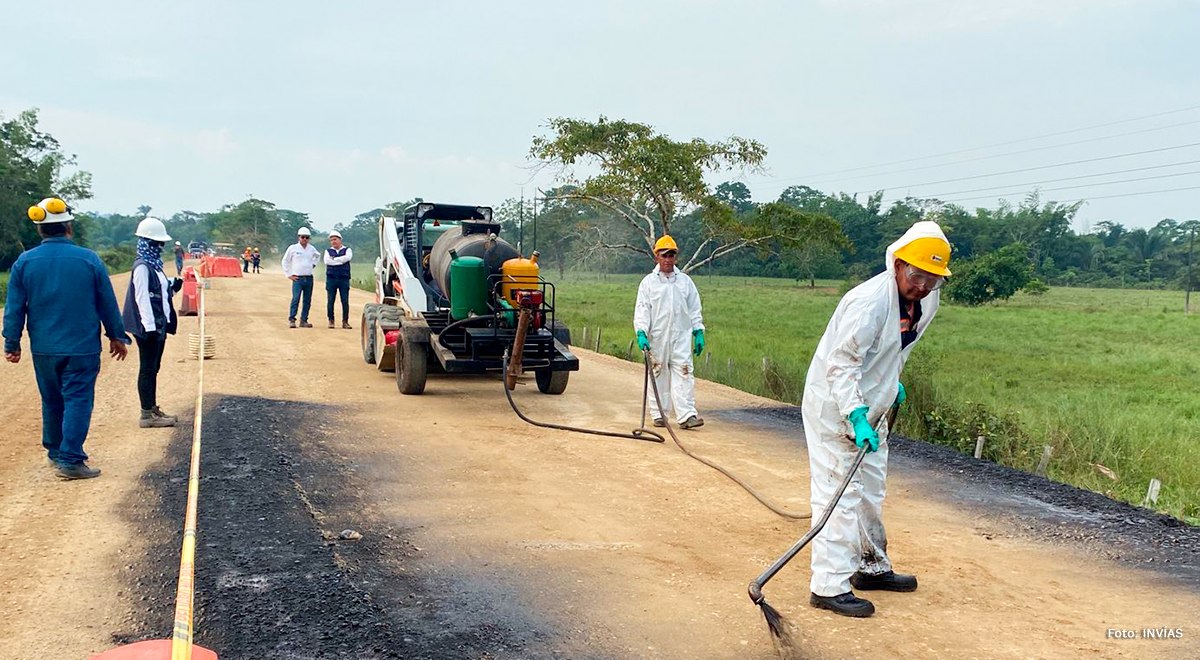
[468, 287]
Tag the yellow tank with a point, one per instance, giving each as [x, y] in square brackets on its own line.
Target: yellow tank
[519, 273]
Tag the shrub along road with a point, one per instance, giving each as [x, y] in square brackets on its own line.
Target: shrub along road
[484, 537]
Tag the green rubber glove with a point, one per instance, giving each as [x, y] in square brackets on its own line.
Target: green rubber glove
[698, 340]
[643, 340]
[900, 396]
[863, 431]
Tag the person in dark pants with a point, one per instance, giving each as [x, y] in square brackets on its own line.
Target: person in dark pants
[178, 259]
[150, 316]
[298, 264]
[337, 277]
[62, 292]
[257, 260]
[247, 256]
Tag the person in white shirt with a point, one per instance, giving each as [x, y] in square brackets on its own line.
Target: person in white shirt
[150, 316]
[337, 276]
[298, 264]
[668, 323]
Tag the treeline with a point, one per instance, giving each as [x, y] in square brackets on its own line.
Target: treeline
[1110, 256]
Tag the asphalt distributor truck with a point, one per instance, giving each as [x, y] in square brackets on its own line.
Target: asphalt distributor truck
[453, 297]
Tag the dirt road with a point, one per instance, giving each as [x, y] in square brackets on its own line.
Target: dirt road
[483, 537]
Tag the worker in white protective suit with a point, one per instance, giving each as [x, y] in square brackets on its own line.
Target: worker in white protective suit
[852, 382]
[668, 322]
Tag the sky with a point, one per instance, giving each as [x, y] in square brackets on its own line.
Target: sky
[337, 108]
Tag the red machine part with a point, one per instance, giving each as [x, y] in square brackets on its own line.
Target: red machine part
[390, 337]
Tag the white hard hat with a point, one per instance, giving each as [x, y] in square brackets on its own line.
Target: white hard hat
[176, 242]
[51, 209]
[153, 229]
[335, 233]
[304, 232]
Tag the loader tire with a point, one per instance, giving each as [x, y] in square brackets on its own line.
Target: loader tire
[367, 329]
[411, 366]
[551, 382]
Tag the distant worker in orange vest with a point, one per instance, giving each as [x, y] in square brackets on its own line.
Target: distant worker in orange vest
[246, 257]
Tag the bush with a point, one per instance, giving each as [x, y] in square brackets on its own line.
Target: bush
[1035, 287]
[118, 259]
[994, 276]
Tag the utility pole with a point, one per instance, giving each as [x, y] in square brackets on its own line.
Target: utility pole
[521, 224]
[1187, 297]
[538, 190]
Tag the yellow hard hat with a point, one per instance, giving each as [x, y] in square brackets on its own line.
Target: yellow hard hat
[665, 243]
[931, 255]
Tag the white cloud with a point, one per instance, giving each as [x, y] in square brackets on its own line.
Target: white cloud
[216, 145]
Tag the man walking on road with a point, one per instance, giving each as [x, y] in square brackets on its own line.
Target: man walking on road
[852, 382]
[298, 264]
[178, 259]
[667, 321]
[337, 276]
[62, 292]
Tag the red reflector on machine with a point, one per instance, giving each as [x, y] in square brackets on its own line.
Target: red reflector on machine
[390, 337]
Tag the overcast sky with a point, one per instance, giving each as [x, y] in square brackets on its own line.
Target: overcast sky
[337, 108]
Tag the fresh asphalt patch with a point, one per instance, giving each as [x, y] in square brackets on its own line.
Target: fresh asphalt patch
[1030, 505]
[275, 578]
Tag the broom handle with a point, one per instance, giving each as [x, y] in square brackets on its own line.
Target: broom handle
[757, 585]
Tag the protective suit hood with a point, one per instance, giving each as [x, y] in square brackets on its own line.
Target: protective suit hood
[922, 229]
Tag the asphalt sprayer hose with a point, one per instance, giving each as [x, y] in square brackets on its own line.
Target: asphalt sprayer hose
[648, 385]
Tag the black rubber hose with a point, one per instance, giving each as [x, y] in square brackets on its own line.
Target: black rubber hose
[637, 434]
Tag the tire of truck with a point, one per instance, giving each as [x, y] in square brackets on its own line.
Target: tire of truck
[551, 382]
[411, 366]
[367, 329]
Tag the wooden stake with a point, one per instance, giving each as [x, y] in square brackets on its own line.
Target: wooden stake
[629, 351]
[979, 447]
[1152, 493]
[598, 332]
[1045, 462]
[707, 361]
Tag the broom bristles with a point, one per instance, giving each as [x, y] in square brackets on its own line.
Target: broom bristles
[781, 633]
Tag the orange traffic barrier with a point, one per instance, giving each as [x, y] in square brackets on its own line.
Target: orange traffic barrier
[211, 266]
[189, 302]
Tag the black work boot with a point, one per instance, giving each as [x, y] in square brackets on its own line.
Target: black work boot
[76, 471]
[149, 420]
[846, 604]
[890, 581]
[346, 325]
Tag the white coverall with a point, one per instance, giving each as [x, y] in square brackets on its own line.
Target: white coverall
[668, 310]
[857, 363]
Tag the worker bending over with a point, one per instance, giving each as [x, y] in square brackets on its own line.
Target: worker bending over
[853, 380]
[668, 322]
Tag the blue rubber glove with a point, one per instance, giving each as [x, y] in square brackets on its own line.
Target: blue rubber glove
[698, 340]
[863, 431]
[643, 340]
[901, 395]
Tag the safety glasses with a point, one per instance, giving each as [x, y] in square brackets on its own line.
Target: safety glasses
[927, 281]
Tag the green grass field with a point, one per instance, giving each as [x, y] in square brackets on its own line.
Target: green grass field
[1106, 377]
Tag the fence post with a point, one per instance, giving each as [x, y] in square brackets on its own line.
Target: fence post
[1152, 493]
[629, 351]
[979, 447]
[707, 361]
[729, 367]
[1045, 462]
[584, 343]
[598, 333]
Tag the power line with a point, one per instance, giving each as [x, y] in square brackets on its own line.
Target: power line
[1046, 167]
[1133, 194]
[1007, 153]
[989, 146]
[1082, 185]
[1066, 178]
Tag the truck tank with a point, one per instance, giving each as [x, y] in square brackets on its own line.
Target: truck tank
[474, 239]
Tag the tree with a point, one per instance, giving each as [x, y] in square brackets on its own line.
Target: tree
[32, 166]
[993, 276]
[648, 181]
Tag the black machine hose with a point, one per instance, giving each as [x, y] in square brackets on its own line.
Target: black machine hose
[642, 433]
